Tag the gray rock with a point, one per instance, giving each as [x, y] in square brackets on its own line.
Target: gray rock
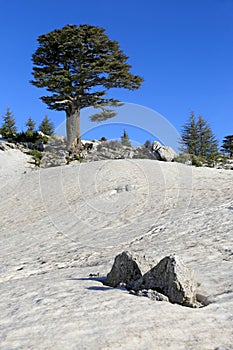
[55, 154]
[151, 294]
[129, 187]
[165, 153]
[128, 268]
[125, 270]
[115, 150]
[39, 146]
[171, 278]
[90, 146]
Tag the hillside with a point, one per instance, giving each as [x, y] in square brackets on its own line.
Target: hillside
[59, 225]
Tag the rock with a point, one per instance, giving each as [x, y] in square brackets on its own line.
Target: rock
[55, 154]
[171, 278]
[39, 146]
[125, 270]
[90, 145]
[128, 268]
[165, 153]
[229, 164]
[2, 147]
[115, 150]
[151, 294]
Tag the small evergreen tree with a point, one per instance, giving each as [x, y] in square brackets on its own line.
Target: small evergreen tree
[47, 126]
[8, 129]
[227, 145]
[30, 127]
[189, 136]
[198, 139]
[207, 144]
[125, 139]
[148, 144]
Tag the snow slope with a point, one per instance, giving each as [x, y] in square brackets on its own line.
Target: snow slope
[60, 225]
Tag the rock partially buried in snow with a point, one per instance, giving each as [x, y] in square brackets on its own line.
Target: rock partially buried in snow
[151, 294]
[127, 268]
[172, 278]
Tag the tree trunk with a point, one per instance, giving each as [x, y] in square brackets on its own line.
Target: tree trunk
[73, 129]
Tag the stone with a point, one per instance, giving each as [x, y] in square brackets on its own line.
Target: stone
[55, 154]
[127, 268]
[171, 278]
[39, 146]
[151, 294]
[165, 153]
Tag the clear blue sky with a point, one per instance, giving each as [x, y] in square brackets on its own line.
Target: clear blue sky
[182, 48]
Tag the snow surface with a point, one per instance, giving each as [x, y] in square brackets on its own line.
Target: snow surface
[59, 225]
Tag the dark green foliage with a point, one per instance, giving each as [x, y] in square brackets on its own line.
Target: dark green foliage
[227, 145]
[196, 161]
[36, 155]
[148, 144]
[183, 158]
[125, 139]
[47, 126]
[207, 143]
[30, 127]
[30, 137]
[8, 129]
[189, 138]
[198, 140]
[72, 61]
[103, 139]
[77, 65]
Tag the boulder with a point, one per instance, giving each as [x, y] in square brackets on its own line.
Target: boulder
[127, 268]
[165, 153]
[171, 278]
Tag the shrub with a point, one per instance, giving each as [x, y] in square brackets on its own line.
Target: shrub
[31, 137]
[148, 144]
[183, 158]
[196, 161]
[36, 156]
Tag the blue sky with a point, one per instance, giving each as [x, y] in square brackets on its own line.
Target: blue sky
[182, 48]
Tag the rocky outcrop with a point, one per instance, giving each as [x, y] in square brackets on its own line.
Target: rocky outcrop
[165, 153]
[115, 150]
[169, 280]
[55, 154]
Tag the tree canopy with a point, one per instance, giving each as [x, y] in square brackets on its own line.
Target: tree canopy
[125, 139]
[198, 139]
[8, 128]
[30, 126]
[77, 65]
[47, 126]
[227, 145]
